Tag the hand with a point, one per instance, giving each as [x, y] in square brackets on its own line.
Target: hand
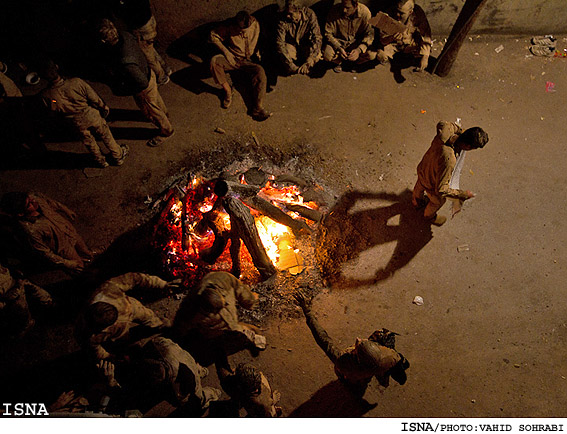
[398, 37]
[343, 53]
[303, 69]
[105, 111]
[230, 57]
[293, 69]
[354, 55]
[303, 301]
[75, 265]
[62, 402]
[174, 286]
[106, 369]
[470, 194]
[423, 64]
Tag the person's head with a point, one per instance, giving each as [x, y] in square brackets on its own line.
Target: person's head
[404, 8]
[349, 7]
[398, 372]
[20, 204]
[368, 353]
[292, 10]
[108, 33]
[101, 315]
[243, 20]
[248, 380]
[211, 301]
[49, 71]
[151, 370]
[221, 188]
[473, 138]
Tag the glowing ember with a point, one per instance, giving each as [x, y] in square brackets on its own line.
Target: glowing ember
[186, 239]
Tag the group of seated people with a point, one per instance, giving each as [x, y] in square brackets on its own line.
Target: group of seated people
[348, 38]
[144, 359]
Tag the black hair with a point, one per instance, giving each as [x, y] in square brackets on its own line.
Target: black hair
[248, 380]
[210, 300]
[474, 137]
[49, 70]
[243, 19]
[101, 315]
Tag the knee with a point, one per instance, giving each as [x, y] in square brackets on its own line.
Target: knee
[329, 53]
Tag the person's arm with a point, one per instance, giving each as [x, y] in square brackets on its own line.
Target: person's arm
[331, 30]
[422, 36]
[217, 38]
[281, 48]
[445, 190]
[40, 246]
[318, 332]
[93, 98]
[315, 39]
[365, 32]
[244, 295]
[129, 281]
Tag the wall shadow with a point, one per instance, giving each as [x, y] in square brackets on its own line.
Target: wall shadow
[333, 400]
[344, 236]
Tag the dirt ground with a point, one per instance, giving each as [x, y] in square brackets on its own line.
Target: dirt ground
[491, 337]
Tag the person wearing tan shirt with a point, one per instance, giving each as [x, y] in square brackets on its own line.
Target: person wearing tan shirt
[298, 38]
[237, 41]
[79, 103]
[47, 226]
[436, 168]
[356, 365]
[348, 34]
[415, 40]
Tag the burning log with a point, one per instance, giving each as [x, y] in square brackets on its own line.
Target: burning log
[243, 227]
[298, 227]
[249, 195]
[303, 211]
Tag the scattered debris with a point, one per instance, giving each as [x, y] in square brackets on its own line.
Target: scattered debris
[473, 401]
[256, 140]
[516, 365]
[418, 300]
[499, 48]
[549, 86]
[423, 111]
[325, 117]
[92, 172]
[219, 130]
[463, 248]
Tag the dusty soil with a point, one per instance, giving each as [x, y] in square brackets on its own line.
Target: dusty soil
[490, 339]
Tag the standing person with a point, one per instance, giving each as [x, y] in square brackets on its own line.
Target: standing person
[298, 39]
[140, 20]
[136, 78]
[79, 103]
[48, 228]
[348, 34]
[439, 171]
[415, 40]
[356, 365]
[237, 41]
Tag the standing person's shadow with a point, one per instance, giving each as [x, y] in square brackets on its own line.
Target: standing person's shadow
[333, 400]
[344, 235]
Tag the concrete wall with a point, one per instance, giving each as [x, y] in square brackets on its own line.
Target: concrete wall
[177, 17]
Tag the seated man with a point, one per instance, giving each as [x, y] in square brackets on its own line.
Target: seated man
[237, 40]
[415, 40]
[15, 316]
[113, 321]
[78, 102]
[48, 228]
[298, 39]
[249, 388]
[437, 174]
[209, 310]
[356, 365]
[348, 34]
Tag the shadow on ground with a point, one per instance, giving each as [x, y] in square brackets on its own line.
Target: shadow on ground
[345, 235]
[333, 400]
